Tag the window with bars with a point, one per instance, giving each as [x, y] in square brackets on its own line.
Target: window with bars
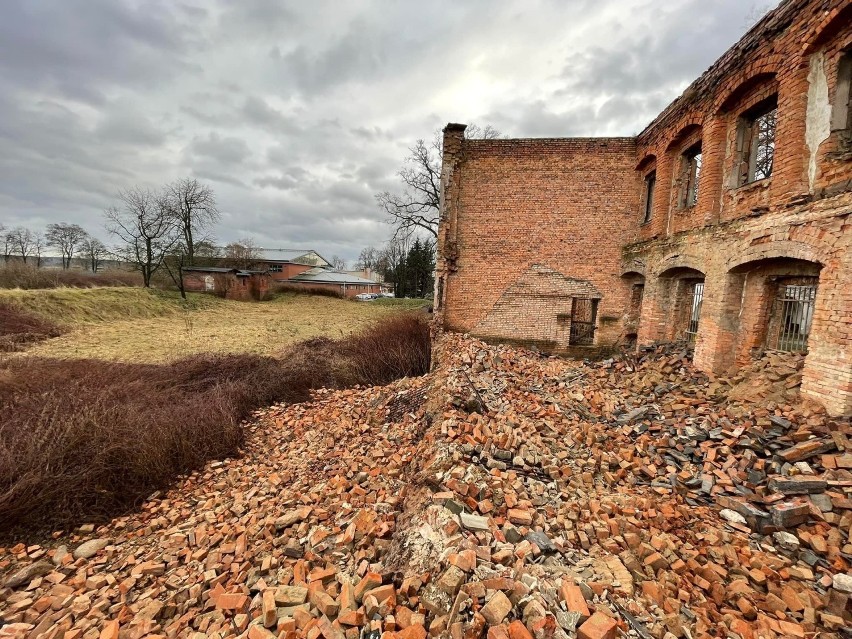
[692, 306]
[275, 268]
[584, 312]
[690, 173]
[792, 314]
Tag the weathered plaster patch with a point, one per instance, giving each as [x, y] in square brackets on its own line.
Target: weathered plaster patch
[818, 116]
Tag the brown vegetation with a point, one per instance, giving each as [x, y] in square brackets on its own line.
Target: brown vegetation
[18, 275]
[19, 328]
[86, 439]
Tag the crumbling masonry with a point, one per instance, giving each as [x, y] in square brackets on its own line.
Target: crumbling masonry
[725, 223]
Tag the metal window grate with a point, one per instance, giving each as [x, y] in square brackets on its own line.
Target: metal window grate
[584, 313]
[793, 314]
[695, 295]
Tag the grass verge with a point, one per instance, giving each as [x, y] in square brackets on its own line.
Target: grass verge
[83, 440]
[150, 326]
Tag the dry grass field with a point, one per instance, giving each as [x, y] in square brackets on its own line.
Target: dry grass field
[148, 326]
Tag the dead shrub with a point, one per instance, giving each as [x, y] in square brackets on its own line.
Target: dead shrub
[396, 347]
[84, 440]
[18, 328]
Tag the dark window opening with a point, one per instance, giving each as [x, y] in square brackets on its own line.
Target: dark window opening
[275, 268]
[690, 173]
[584, 313]
[841, 113]
[440, 293]
[650, 183]
[636, 296]
[792, 314]
[756, 141]
[694, 298]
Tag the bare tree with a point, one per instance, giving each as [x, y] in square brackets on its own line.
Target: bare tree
[21, 241]
[338, 263]
[193, 206]
[391, 256]
[145, 228]
[416, 207]
[67, 238]
[206, 253]
[94, 251]
[367, 259]
[174, 263]
[39, 244]
[243, 253]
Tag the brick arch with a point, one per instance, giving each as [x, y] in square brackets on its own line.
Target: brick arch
[740, 84]
[633, 267]
[773, 250]
[646, 161]
[680, 261]
[687, 129]
[829, 28]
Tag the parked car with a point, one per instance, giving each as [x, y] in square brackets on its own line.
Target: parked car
[366, 297]
[386, 295]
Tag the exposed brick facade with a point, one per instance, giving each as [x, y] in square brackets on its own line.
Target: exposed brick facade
[536, 223]
[232, 285]
[527, 225]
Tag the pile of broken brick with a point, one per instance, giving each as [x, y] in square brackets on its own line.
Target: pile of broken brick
[506, 494]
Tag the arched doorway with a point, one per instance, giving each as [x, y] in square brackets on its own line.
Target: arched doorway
[769, 304]
[634, 283]
[681, 298]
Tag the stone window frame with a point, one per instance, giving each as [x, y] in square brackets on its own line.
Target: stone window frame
[689, 175]
[748, 141]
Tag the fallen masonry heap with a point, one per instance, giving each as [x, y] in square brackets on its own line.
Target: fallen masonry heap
[506, 495]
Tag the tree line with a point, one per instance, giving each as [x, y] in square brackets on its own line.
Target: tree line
[70, 240]
[408, 262]
[163, 230]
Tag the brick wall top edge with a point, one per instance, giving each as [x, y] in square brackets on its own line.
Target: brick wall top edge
[768, 28]
[511, 146]
[567, 140]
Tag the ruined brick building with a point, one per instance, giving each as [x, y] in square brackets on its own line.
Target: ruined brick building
[725, 223]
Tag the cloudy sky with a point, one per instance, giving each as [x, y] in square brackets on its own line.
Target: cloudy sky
[297, 113]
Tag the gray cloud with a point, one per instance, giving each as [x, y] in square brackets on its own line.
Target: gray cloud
[298, 113]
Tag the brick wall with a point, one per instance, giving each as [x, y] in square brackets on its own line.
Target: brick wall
[535, 223]
[526, 222]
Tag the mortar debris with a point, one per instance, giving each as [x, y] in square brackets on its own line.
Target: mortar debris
[506, 494]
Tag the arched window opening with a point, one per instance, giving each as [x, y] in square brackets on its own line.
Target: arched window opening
[756, 141]
[689, 175]
[650, 185]
[841, 113]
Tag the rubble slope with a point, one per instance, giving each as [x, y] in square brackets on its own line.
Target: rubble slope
[506, 494]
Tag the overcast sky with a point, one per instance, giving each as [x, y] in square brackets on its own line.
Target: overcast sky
[297, 113]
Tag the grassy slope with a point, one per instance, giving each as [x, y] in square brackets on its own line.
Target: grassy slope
[138, 325]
